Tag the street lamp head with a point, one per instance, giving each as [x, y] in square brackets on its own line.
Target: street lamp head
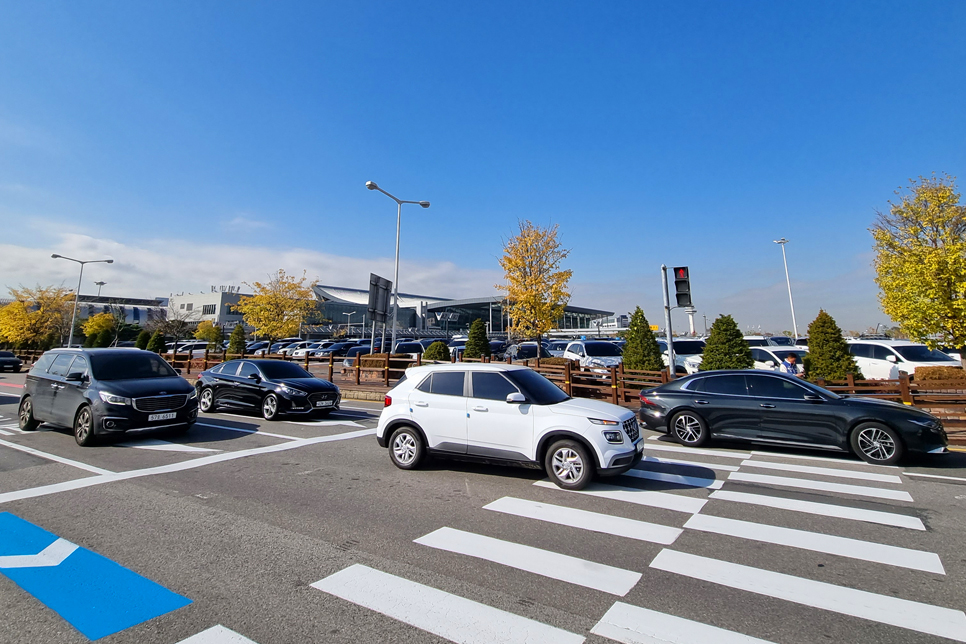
[781, 241]
[110, 261]
[372, 185]
[424, 204]
[55, 256]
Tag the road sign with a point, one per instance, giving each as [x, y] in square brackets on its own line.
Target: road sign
[379, 288]
[95, 595]
[655, 327]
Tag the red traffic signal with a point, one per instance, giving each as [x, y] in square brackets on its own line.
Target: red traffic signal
[681, 273]
[682, 286]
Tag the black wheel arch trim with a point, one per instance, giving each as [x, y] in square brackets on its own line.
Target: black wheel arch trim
[396, 424]
[853, 425]
[549, 438]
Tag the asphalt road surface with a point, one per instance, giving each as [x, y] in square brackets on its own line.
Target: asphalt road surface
[302, 531]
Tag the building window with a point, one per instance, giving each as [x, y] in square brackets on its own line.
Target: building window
[182, 306]
[188, 306]
[208, 309]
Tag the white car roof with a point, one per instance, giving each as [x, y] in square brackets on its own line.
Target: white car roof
[466, 366]
[889, 343]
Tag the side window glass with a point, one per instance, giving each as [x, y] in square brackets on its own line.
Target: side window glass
[860, 350]
[217, 369]
[247, 369]
[729, 385]
[426, 384]
[448, 383]
[79, 366]
[61, 364]
[880, 352]
[765, 387]
[758, 355]
[492, 386]
[41, 366]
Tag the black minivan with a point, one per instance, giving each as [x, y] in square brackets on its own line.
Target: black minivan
[106, 391]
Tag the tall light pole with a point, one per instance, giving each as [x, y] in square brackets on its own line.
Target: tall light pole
[348, 323]
[371, 185]
[781, 242]
[70, 338]
[99, 285]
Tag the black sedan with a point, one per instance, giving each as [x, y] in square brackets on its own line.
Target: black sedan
[274, 387]
[10, 361]
[784, 410]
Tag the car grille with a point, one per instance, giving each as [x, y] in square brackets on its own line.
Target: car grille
[630, 427]
[329, 395]
[160, 403]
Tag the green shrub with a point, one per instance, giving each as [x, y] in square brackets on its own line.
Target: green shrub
[641, 350]
[90, 340]
[437, 351]
[828, 353]
[236, 343]
[104, 338]
[726, 347]
[156, 343]
[555, 362]
[143, 338]
[477, 346]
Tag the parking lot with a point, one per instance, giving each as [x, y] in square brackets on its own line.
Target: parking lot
[304, 531]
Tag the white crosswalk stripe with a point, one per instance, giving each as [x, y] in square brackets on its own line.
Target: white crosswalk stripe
[695, 450]
[217, 635]
[677, 461]
[844, 460]
[822, 471]
[581, 572]
[675, 502]
[923, 618]
[449, 616]
[813, 484]
[636, 625]
[677, 479]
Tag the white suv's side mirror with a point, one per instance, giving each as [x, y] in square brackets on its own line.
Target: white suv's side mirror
[891, 358]
[516, 398]
[769, 363]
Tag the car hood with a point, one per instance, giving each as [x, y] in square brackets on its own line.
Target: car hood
[608, 361]
[867, 403]
[588, 408]
[140, 387]
[308, 385]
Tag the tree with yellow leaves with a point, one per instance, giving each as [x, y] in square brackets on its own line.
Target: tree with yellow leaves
[920, 262]
[278, 307]
[535, 284]
[97, 323]
[37, 316]
[211, 332]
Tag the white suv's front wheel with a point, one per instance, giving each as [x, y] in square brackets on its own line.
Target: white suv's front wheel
[568, 465]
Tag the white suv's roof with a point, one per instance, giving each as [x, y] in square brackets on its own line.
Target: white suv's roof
[466, 366]
[888, 343]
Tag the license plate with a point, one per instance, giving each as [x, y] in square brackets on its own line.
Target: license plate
[323, 403]
[168, 416]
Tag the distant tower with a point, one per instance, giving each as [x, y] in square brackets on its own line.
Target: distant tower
[691, 311]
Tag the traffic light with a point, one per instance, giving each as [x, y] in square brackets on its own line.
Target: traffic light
[682, 285]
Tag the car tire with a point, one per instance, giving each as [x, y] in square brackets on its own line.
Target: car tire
[25, 414]
[569, 465]
[206, 400]
[877, 444]
[84, 426]
[406, 448]
[270, 407]
[689, 429]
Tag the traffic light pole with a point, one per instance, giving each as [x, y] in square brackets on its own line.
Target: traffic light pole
[667, 323]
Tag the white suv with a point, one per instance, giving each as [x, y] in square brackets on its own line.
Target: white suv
[506, 414]
[594, 353]
[886, 359]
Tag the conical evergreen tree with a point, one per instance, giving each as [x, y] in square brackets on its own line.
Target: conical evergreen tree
[437, 351]
[90, 340]
[104, 338]
[156, 343]
[236, 343]
[641, 350]
[828, 353]
[726, 347]
[143, 338]
[477, 345]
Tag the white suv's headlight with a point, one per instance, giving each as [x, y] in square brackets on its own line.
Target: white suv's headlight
[601, 421]
[291, 391]
[113, 399]
[613, 436]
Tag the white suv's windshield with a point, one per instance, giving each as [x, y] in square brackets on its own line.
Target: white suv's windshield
[602, 349]
[782, 341]
[917, 353]
[538, 389]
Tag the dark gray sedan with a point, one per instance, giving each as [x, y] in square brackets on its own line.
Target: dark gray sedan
[9, 361]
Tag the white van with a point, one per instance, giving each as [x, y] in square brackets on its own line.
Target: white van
[886, 359]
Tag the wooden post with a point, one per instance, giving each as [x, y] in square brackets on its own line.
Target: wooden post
[188, 362]
[387, 370]
[904, 391]
[664, 377]
[419, 359]
[307, 352]
[331, 366]
[358, 368]
[224, 354]
[613, 385]
[509, 359]
[850, 380]
[820, 382]
[620, 382]
[568, 385]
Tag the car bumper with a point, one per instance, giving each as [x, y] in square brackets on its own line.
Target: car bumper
[118, 419]
[305, 405]
[619, 461]
[652, 419]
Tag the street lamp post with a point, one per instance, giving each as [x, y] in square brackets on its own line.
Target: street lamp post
[371, 185]
[781, 242]
[348, 324]
[99, 285]
[73, 317]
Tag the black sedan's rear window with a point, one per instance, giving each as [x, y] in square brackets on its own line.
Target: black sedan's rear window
[6, 354]
[130, 366]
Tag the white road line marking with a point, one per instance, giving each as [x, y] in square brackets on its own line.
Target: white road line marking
[923, 618]
[675, 461]
[822, 509]
[5, 432]
[55, 458]
[677, 479]
[676, 502]
[3, 393]
[217, 635]
[52, 555]
[636, 625]
[823, 471]
[811, 484]
[443, 614]
[164, 446]
[554, 565]
[656, 437]
[845, 460]
[695, 450]
[817, 542]
[324, 423]
[935, 476]
[593, 521]
[77, 484]
[249, 431]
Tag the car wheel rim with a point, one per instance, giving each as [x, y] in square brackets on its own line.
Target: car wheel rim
[687, 428]
[404, 448]
[876, 444]
[206, 400]
[567, 465]
[269, 406]
[83, 424]
[25, 413]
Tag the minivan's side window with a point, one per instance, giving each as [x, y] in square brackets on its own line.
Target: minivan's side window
[247, 369]
[861, 350]
[61, 364]
[492, 386]
[80, 366]
[881, 353]
[448, 383]
[42, 364]
[731, 385]
[768, 387]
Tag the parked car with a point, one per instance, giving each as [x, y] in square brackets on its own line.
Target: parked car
[106, 391]
[594, 353]
[255, 346]
[886, 359]
[526, 351]
[688, 355]
[309, 348]
[289, 349]
[353, 354]
[506, 414]
[779, 409]
[498, 349]
[952, 352]
[195, 348]
[273, 387]
[801, 342]
[557, 348]
[771, 358]
[10, 361]
[412, 349]
[336, 349]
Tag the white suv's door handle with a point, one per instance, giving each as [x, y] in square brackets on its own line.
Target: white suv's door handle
[420, 403]
[480, 409]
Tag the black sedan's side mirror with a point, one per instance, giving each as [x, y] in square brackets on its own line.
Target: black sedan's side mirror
[813, 398]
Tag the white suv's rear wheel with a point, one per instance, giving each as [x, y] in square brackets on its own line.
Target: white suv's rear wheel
[568, 465]
[406, 448]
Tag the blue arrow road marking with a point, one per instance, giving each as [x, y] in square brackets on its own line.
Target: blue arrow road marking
[95, 595]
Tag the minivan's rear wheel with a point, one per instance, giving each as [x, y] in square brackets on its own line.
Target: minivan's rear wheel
[878, 444]
[206, 401]
[270, 407]
[84, 427]
[26, 415]
[688, 428]
[568, 465]
[406, 448]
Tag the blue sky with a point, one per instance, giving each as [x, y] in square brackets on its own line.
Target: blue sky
[205, 143]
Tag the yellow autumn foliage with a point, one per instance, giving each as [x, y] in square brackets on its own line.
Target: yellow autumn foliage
[279, 306]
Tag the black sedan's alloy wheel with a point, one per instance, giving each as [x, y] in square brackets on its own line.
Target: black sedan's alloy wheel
[26, 416]
[270, 407]
[688, 428]
[876, 443]
[206, 400]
